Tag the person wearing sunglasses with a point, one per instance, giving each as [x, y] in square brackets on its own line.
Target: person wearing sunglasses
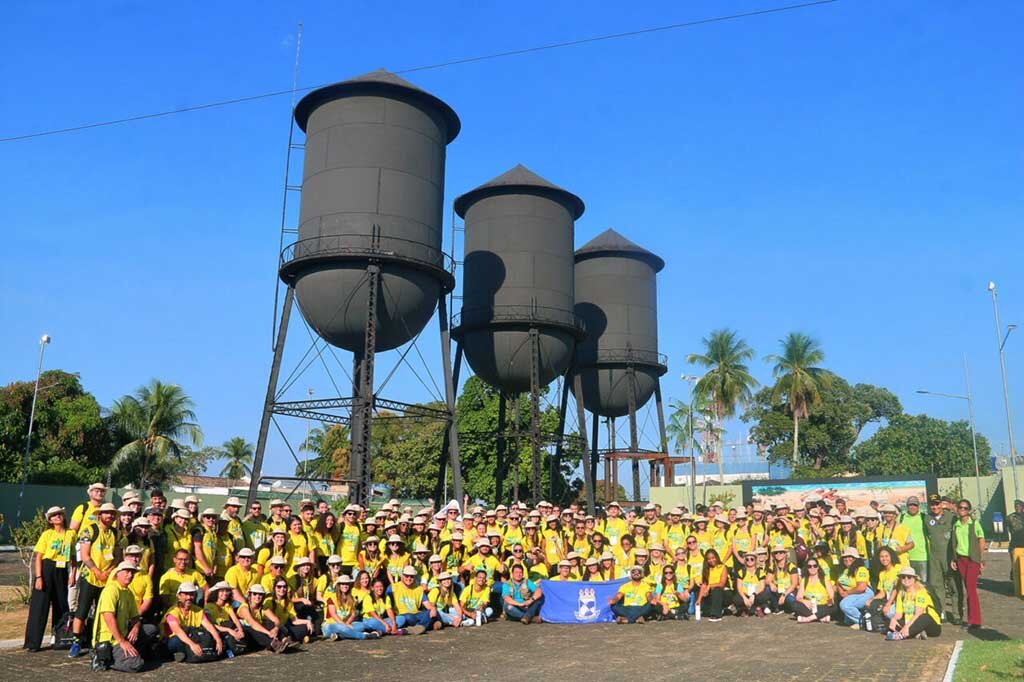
[51, 559]
[853, 587]
[751, 596]
[816, 596]
[783, 582]
[968, 561]
[915, 615]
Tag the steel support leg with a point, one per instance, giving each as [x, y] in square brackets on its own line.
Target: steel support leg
[668, 476]
[361, 471]
[501, 448]
[271, 397]
[634, 436]
[450, 385]
[555, 463]
[535, 479]
[588, 470]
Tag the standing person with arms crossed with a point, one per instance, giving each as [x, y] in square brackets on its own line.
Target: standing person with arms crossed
[914, 520]
[941, 579]
[968, 554]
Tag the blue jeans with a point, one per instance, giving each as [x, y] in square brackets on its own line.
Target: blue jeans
[852, 605]
[448, 617]
[631, 613]
[357, 630]
[410, 619]
[375, 625]
[516, 612]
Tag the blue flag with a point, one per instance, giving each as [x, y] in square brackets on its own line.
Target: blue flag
[578, 601]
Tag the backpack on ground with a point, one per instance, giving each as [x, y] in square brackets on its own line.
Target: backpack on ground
[873, 620]
[63, 637]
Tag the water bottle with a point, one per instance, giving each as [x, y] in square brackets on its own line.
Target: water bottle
[479, 618]
[697, 612]
[814, 607]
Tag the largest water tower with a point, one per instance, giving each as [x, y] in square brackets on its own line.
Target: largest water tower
[367, 269]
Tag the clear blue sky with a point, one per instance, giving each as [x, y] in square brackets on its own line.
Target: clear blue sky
[852, 171]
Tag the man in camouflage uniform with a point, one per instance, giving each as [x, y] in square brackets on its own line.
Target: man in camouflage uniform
[938, 528]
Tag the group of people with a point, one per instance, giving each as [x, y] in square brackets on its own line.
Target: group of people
[140, 582]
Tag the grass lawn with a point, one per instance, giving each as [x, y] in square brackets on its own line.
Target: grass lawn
[985, 661]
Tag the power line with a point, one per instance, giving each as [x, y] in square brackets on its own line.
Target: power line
[428, 67]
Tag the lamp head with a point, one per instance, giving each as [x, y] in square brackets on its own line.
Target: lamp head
[45, 338]
[991, 286]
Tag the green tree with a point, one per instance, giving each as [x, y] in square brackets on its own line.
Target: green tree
[330, 446]
[798, 381]
[832, 426]
[919, 443]
[698, 420]
[238, 454]
[71, 441]
[150, 425]
[727, 382]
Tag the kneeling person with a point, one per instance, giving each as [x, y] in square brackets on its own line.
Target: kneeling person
[118, 640]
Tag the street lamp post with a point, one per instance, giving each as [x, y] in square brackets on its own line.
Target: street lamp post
[43, 341]
[1001, 340]
[970, 418]
[692, 380]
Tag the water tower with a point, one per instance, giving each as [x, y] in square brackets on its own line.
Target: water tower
[618, 362]
[367, 269]
[517, 327]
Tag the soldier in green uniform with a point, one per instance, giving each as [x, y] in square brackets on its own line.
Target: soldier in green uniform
[939, 529]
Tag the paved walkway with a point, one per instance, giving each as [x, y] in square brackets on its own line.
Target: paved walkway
[774, 648]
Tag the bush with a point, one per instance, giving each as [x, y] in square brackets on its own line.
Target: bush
[25, 537]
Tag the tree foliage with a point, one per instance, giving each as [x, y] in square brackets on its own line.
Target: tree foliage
[798, 380]
[238, 453]
[829, 432]
[71, 442]
[330, 446]
[922, 443]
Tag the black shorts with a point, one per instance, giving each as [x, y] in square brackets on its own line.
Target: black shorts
[88, 594]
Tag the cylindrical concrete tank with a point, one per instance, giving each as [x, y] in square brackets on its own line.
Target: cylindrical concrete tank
[518, 276]
[372, 190]
[617, 298]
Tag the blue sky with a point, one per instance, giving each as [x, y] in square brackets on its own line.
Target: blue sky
[852, 171]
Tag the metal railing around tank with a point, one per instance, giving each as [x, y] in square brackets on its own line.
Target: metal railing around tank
[370, 246]
[526, 315]
[627, 355]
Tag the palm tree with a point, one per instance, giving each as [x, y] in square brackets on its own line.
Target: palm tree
[238, 454]
[798, 381]
[330, 447]
[153, 421]
[727, 382]
[687, 422]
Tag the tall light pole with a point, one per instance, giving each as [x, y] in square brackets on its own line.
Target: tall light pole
[692, 380]
[970, 417]
[44, 340]
[1001, 340]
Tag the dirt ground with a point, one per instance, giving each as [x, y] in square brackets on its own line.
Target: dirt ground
[773, 648]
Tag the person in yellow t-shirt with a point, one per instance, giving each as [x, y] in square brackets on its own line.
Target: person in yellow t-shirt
[853, 586]
[294, 630]
[178, 574]
[816, 596]
[276, 568]
[449, 610]
[564, 572]
[51, 559]
[342, 613]
[242, 575]
[278, 547]
[894, 535]
[118, 625]
[412, 610]
[141, 588]
[97, 554]
[475, 599]
[886, 583]
[672, 594]
[751, 594]
[223, 616]
[614, 527]
[378, 610]
[915, 615]
[182, 622]
[632, 602]
[258, 622]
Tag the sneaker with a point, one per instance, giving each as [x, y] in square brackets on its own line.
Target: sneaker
[855, 626]
[97, 665]
[767, 611]
[277, 646]
[621, 620]
[890, 636]
[525, 620]
[334, 636]
[714, 620]
[415, 630]
[538, 619]
[370, 634]
[75, 651]
[640, 620]
[922, 635]
[291, 643]
[826, 619]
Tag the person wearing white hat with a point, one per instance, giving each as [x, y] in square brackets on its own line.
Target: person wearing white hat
[396, 557]
[853, 586]
[412, 609]
[187, 630]
[259, 623]
[178, 534]
[349, 539]
[98, 553]
[85, 513]
[51, 558]
[118, 642]
[222, 614]
[204, 544]
[613, 527]
[446, 603]
[915, 615]
[341, 611]
[303, 591]
[241, 575]
[141, 588]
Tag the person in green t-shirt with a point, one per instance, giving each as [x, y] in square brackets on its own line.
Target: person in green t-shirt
[915, 521]
[968, 560]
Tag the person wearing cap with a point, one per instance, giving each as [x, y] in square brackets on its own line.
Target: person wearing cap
[51, 558]
[894, 535]
[475, 599]
[446, 603]
[98, 553]
[180, 572]
[341, 612]
[632, 602]
[278, 547]
[815, 599]
[258, 622]
[204, 544]
[117, 631]
[783, 582]
[853, 586]
[521, 597]
[184, 626]
[412, 609]
[751, 596]
[178, 535]
[915, 522]
[940, 579]
[915, 615]
[241, 575]
[86, 513]
[222, 614]
[968, 561]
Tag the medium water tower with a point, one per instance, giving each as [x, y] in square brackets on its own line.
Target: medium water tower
[618, 361]
[367, 269]
[517, 327]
